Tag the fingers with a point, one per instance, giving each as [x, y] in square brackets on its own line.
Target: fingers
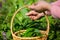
[35, 15]
[32, 13]
[32, 17]
[39, 6]
[38, 16]
[36, 7]
[32, 7]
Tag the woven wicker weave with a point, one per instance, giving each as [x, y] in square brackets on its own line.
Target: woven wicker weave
[45, 33]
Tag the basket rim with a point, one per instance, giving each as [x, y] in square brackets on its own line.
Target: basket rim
[26, 37]
[14, 34]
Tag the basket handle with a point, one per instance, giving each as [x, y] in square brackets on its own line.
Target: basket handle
[48, 26]
[47, 31]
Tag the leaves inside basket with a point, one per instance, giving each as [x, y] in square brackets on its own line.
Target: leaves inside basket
[30, 32]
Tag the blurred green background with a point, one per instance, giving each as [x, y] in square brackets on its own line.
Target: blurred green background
[8, 7]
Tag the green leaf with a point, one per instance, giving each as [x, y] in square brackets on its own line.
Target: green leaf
[8, 34]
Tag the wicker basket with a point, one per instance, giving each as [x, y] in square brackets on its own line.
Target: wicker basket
[45, 33]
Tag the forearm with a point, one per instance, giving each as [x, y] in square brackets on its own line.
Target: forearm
[55, 9]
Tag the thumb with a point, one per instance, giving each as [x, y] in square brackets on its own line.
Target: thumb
[32, 6]
[32, 13]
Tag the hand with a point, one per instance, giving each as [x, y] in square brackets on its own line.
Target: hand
[37, 7]
[34, 15]
[40, 6]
